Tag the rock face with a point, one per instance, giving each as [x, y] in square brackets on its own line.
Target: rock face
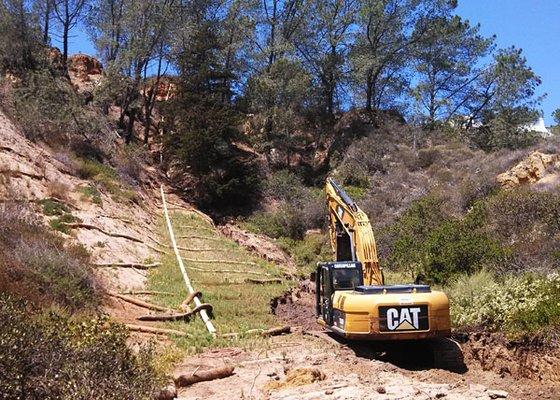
[166, 88]
[535, 168]
[85, 72]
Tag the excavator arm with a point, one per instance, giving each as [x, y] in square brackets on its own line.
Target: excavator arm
[351, 234]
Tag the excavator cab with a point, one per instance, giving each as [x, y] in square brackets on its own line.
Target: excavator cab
[331, 277]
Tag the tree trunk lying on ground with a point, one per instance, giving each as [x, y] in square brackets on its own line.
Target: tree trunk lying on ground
[176, 316]
[201, 376]
[228, 271]
[156, 331]
[147, 292]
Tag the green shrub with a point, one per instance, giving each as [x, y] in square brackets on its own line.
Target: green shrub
[52, 207]
[518, 305]
[49, 355]
[90, 192]
[309, 251]
[36, 264]
[454, 248]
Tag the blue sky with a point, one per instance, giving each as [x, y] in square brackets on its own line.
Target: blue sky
[533, 25]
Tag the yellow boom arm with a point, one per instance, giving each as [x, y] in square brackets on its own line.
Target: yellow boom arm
[351, 234]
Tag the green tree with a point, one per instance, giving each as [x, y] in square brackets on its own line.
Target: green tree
[68, 14]
[505, 101]
[20, 37]
[445, 60]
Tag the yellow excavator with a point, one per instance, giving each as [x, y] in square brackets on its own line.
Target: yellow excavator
[352, 299]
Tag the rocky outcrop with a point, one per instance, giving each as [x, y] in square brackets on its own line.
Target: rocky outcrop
[85, 72]
[166, 88]
[536, 168]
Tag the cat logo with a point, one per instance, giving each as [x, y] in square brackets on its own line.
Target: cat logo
[403, 319]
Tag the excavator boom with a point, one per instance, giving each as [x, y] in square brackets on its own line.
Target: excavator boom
[351, 234]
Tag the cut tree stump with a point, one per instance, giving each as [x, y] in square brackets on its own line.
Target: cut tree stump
[202, 376]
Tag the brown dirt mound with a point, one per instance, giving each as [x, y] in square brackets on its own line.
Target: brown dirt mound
[494, 352]
[297, 306]
[261, 246]
[298, 377]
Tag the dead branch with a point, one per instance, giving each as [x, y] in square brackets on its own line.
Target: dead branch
[128, 265]
[263, 281]
[139, 303]
[229, 271]
[177, 316]
[202, 376]
[157, 331]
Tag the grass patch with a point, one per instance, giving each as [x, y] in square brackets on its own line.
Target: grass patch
[238, 306]
[52, 207]
[313, 248]
[59, 223]
[91, 193]
[107, 178]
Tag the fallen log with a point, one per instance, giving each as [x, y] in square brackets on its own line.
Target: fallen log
[202, 376]
[127, 265]
[263, 281]
[229, 271]
[177, 316]
[156, 331]
[139, 303]
[281, 330]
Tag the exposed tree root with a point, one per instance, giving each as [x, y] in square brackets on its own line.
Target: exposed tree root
[201, 376]
[186, 316]
[156, 331]
[139, 303]
[128, 265]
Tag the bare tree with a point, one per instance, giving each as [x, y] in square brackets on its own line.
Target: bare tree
[68, 14]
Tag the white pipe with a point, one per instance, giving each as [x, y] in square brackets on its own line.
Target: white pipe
[203, 313]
